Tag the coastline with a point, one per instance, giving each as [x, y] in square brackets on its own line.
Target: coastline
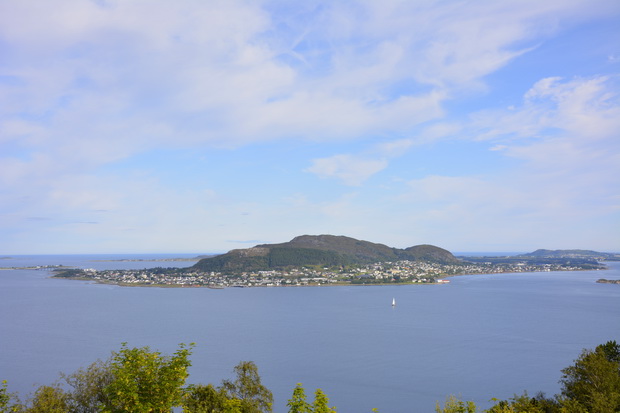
[216, 287]
[443, 280]
[38, 267]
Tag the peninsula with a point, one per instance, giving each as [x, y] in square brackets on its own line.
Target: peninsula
[327, 259]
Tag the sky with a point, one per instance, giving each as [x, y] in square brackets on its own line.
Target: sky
[157, 126]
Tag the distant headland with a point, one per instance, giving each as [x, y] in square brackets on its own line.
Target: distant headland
[604, 281]
[580, 254]
[336, 260]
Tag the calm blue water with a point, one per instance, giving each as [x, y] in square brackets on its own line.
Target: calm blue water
[480, 336]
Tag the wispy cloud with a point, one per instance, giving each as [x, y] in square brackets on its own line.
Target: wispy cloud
[355, 169]
[190, 71]
[350, 169]
[563, 125]
[565, 179]
[167, 114]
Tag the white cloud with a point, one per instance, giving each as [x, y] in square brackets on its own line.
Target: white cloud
[348, 168]
[197, 68]
[394, 148]
[564, 126]
[565, 137]
[84, 85]
[355, 169]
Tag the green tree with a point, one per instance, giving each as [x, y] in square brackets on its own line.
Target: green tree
[523, 404]
[321, 403]
[48, 399]
[611, 349]
[6, 398]
[297, 403]
[593, 383]
[88, 387]
[145, 381]
[455, 405]
[209, 399]
[248, 389]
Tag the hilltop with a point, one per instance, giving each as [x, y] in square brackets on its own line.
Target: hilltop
[323, 250]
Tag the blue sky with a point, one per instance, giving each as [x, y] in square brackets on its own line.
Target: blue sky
[203, 126]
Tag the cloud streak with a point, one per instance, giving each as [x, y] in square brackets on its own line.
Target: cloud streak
[564, 181]
[163, 113]
[351, 170]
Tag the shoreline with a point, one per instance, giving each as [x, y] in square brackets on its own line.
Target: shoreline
[217, 287]
[440, 281]
[38, 267]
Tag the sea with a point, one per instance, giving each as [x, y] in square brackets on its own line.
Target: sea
[477, 337]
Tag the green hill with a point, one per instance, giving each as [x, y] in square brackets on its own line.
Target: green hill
[586, 254]
[323, 250]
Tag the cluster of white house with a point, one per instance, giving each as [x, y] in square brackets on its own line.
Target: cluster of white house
[386, 272]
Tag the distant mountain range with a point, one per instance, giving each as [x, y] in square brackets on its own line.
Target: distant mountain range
[572, 254]
[322, 250]
[332, 250]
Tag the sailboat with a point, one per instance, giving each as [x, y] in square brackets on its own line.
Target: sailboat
[393, 302]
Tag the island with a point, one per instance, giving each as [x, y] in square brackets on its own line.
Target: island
[604, 281]
[314, 260]
[577, 254]
[37, 267]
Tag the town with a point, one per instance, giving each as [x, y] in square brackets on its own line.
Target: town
[399, 272]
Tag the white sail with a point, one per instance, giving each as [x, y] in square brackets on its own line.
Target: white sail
[393, 302]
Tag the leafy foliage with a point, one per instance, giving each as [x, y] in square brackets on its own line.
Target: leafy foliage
[591, 385]
[5, 399]
[88, 386]
[455, 405]
[526, 404]
[593, 382]
[146, 381]
[321, 403]
[49, 399]
[298, 404]
[209, 399]
[248, 389]
[141, 380]
[245, 394]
